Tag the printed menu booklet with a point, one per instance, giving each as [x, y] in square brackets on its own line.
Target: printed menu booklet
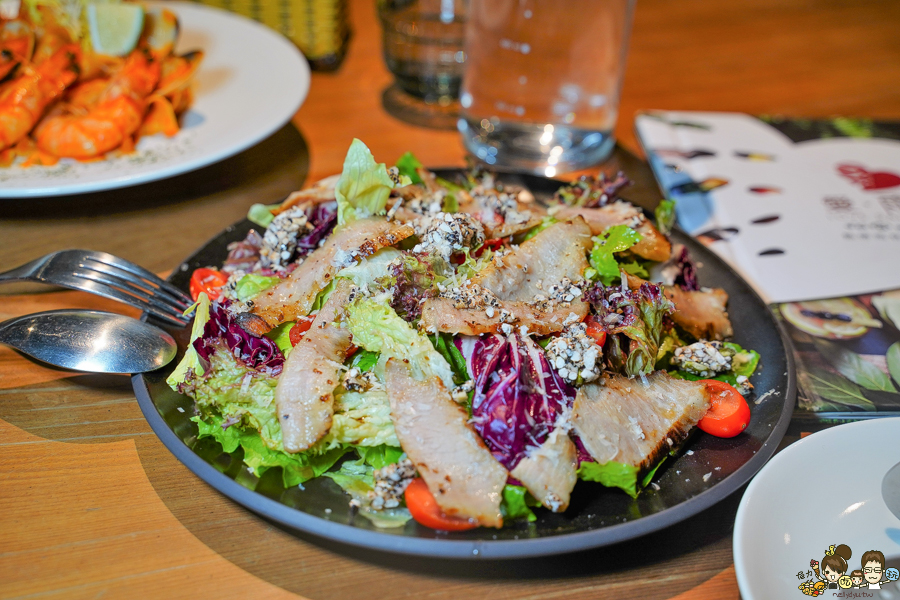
[808, 212]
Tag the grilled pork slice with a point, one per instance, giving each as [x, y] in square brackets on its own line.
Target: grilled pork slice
[500, 214]
[653, 245]
[294, 296]
[320, 192]
[626, 421]
[304, 396]
[462, 475]
[549, 471]
[440, 314]
[701, 313]
[556, 252]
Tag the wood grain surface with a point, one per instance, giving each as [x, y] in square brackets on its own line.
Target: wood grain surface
[94, 506]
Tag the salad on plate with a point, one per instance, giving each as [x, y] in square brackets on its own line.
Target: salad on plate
[457, 352]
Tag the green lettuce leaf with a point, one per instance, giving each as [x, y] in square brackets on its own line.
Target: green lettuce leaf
[443, 343]
[377, 328]
[544, 224]
[238, 393]
[617, 238]
[364, 360]
[637, 269]
[281, 335]
[616, 474]
[356, 478]
[296, 468]
[364, 186]
[408, 165]
[261, 214]
[744, 362]
[251, 285]
[517, 503]
[361, 419]
[665, 216]
[380, 456]
[190, 364]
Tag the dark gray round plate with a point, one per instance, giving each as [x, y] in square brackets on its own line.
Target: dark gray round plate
[706, 470]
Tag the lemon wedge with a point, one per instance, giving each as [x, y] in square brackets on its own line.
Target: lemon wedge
[115, 28]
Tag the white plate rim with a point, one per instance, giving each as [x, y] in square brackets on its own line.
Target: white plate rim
[202, 18]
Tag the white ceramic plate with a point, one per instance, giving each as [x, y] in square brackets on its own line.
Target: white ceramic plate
[251, 82]
[827, 489]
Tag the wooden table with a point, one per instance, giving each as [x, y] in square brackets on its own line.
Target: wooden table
[93, 504]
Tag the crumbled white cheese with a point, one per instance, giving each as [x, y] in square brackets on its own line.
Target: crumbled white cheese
[575, 354]
[446, 233]
[390, 483]
[280, 239]
[704, 359]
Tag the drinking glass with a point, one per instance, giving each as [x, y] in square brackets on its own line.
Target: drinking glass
[542, 81]
[423, 49]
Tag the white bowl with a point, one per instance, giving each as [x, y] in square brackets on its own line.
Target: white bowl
[827, 489]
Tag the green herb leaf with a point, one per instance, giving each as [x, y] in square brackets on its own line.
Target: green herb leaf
[893, 361]
[617, 238]
[854, 367]
[837, 389]
[408, 165]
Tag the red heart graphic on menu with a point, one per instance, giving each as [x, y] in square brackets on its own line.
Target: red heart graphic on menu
[869, 180]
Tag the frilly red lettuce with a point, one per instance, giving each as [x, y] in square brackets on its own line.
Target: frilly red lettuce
[635, 321]
[518, 398]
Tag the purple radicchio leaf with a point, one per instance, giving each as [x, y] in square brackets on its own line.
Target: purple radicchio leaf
[687, 272]
[258, 353]
[518, 398]
[323, 218]
[243, 255]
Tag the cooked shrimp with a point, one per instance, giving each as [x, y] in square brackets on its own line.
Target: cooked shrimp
[115, 117]
[16, 45]
[24, 98]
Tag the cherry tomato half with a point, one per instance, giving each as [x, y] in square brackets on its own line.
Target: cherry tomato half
[595, 329]
[491, 244]
[300, 327]
[728, 414]
[425, 510]
[209, 281]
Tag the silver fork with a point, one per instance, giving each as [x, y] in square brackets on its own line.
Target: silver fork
[108, 276]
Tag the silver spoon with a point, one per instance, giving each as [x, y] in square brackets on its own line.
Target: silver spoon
[90, 340]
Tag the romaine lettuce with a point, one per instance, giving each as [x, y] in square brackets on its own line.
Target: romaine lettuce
[250, 285]
[362, 419]
[296, 468]
[364, 186]
[190, 364]
[377, 328]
